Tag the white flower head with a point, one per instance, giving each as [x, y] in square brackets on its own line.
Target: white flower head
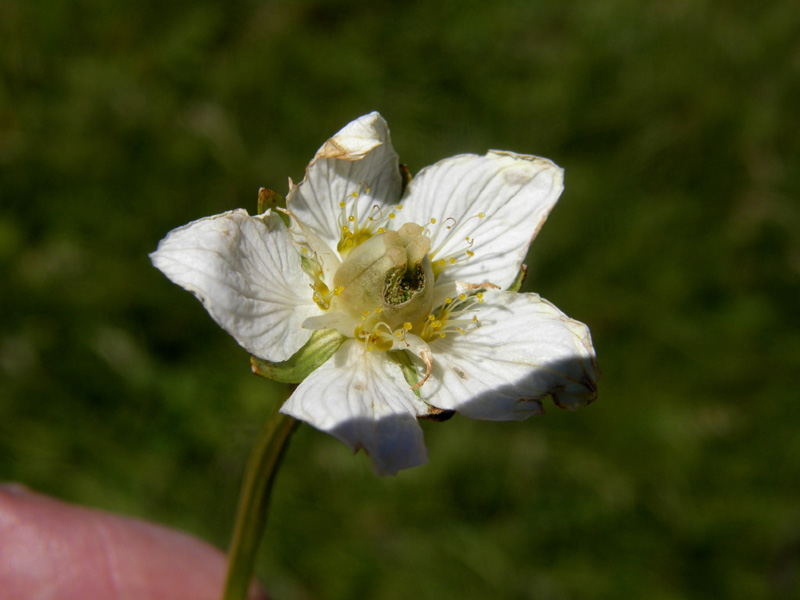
[395, 295]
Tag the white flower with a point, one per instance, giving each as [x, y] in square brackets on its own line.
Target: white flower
[402, 289]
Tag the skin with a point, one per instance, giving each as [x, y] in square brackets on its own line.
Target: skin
[57, 551]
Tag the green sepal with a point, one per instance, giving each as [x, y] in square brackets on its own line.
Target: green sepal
[319, 348]
[514, 287]
[271, 200]
[403, 358]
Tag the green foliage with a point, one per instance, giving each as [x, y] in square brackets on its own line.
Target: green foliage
[676, 240]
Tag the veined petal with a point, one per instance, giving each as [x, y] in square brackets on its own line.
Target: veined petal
[247, 274]
[363, 399]
[514, 193]
[523, 350]
[361, 152]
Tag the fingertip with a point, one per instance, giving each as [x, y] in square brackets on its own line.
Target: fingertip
[50, 548]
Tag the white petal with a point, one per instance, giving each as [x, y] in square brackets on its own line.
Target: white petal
[515, 192]
[361, 152]
[523, 350]
[362, 399]
[247, 274]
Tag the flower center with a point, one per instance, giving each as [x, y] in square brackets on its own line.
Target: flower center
[384, 287]
[387, 280]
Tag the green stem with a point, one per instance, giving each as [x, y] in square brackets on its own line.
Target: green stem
[252, 513]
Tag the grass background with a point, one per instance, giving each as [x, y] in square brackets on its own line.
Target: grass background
[676, 240]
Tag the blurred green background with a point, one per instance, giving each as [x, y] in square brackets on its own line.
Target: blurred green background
[676, 240]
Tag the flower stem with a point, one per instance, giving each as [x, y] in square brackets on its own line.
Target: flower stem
[251, 517]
